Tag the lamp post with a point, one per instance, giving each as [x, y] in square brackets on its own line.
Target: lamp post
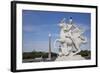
[49, 55]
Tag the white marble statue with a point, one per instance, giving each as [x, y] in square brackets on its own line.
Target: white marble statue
[70, 38]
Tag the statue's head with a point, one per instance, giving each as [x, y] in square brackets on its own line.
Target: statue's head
[62, 25]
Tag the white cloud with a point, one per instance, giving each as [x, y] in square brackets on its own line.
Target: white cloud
[28, 28]
[31, 28]
[38, 46]
[43, 45]
[84, 27]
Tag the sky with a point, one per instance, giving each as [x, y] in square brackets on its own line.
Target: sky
[36, 25]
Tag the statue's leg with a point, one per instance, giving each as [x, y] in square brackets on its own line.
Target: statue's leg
[65, 49]
[60, 54]
[78, 49]
[61, 50]
[71, 51]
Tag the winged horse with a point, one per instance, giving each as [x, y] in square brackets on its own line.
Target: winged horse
[70, 37]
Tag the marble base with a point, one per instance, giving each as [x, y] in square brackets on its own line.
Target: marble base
[75, 57]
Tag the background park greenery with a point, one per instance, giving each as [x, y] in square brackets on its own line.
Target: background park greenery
[37, 54]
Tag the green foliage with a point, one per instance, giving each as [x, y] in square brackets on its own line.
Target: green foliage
[35, 54]
[85, 53]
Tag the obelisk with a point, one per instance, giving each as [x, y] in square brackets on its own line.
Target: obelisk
[49, 54]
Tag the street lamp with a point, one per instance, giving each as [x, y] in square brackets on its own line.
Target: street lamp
[49, 55]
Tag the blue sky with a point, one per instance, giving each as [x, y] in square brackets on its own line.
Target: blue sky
[38, 24]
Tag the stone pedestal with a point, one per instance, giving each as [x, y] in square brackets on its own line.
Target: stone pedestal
[75, 57]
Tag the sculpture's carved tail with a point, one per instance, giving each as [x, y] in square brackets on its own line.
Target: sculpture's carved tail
[57, 40]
